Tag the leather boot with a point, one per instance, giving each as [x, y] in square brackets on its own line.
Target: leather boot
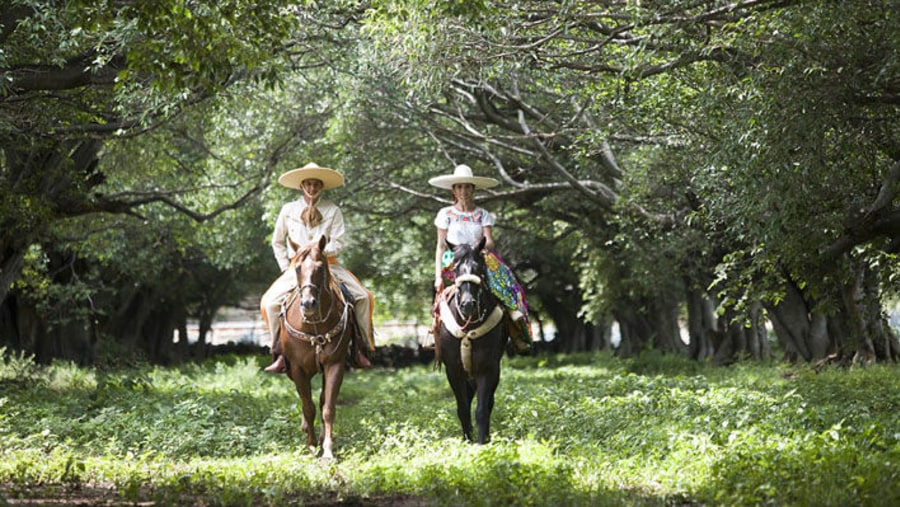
[278, 366]
[519, 337]
[361, 361]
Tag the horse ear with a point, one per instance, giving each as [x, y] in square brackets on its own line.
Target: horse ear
[323, 240]
[481, 244]
[450, 245]
[294, 246]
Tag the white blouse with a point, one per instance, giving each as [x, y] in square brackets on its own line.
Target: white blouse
[463, 226]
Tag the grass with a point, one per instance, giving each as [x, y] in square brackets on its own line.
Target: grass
[585, 429]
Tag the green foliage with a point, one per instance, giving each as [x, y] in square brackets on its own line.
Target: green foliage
[567, 430]
[749, 135]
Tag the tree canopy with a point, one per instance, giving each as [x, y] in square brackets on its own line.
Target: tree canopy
[724, 163]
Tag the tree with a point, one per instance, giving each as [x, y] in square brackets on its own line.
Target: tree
[85, 81]
[702, 105]
[727, 162]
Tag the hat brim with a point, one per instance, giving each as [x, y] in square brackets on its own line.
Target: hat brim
[447, 181]
[329, 177]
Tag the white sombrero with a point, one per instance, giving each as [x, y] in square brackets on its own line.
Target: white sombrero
[311, 171]
[462, 174]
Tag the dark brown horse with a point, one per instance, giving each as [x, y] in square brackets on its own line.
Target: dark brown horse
[317, 327]
[471, 340]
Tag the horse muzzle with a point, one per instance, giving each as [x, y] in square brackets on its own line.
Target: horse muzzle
[309, 304]
[309, 297]
[468, 306]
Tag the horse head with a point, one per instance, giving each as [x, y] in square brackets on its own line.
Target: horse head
[311, 266]
[471, 280]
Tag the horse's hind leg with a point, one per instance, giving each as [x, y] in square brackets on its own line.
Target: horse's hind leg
[332, 378]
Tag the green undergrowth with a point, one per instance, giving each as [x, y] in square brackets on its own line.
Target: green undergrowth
[585, 429]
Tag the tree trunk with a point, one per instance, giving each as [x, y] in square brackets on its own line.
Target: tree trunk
[571, 335]
[865, 334]
[743, 337]
[40, 184]
[703, 325]
[11, 263]
[798, 326]
[855, 329]
[645, 323]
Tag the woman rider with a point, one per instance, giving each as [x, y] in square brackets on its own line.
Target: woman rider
[464, 222]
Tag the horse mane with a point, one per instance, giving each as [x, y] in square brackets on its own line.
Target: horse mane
[466, 250]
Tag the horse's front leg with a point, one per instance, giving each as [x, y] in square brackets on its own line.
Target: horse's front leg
[463, 392]
[332, 378]
[487, 385]
[304, 390]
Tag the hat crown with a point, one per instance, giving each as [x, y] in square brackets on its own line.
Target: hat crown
[463, 171]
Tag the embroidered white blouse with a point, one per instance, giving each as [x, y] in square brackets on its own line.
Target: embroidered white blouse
[462, 226]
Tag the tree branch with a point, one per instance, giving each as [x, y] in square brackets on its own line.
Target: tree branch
[108, 205]
[77, 72]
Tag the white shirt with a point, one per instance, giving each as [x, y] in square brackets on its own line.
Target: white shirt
[463, 226]
[289, 225]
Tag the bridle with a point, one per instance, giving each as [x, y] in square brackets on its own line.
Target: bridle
[317, 291]
[486, 318]
[479, 308]
[316, 338]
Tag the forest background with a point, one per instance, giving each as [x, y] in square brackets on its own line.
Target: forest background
[732, 166]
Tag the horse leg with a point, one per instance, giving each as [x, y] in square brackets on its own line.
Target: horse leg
[463, 393]
[487, 385]
[304, 390]
[332, 378]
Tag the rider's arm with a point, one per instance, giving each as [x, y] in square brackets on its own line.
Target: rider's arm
[279, 246]
[488, 236]
[438, 256]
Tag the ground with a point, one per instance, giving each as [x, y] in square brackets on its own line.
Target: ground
[90, 496]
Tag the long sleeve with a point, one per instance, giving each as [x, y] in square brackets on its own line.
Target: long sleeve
[279, 239]
[335, 233]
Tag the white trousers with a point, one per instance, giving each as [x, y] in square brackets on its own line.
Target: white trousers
[270, 303]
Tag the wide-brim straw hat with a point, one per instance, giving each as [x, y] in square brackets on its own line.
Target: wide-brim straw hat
[311, 171]
[462, 174]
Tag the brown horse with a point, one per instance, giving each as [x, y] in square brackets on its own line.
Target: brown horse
[317, 327]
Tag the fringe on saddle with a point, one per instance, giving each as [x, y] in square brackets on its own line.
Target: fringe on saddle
[436, 329]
